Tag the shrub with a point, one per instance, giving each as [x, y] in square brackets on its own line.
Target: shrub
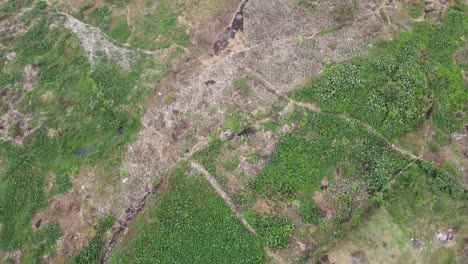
[242, 86]
[307, 5]
[310, 211]
[273, 230]
[344, 12]
[189, 223]
[91, 253]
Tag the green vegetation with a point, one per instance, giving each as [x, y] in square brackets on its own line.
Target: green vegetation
[242, 86]
[91, 253]
[415, 8]
[235, 119]
[189, 223]
[344, 12]
[413, 208]
[309, 210]
[44, 242]
[307, 5]
[118, 3]
[273, 230]
[158, 30]
[8, 7]
[116, 27]
[389, 88]
[209, 155]
[323, 141]
[91, 110]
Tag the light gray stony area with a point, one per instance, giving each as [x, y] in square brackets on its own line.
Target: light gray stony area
[95, 43]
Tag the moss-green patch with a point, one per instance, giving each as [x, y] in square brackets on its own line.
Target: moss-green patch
[120, 31]
[242, 86]
[92, 251]
[158, 30]
[389, 88]
[93, 111]
[414, 208]
[273, 230]
[235, 119]
[415, 8]
[189, 224]
[323, 141]
[209, 155]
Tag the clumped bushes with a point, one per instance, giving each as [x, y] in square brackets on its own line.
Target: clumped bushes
[389, 88]
[344, 12]
[189, 223]
[322, 142]
[307, 5]
[89, 107]
[91, 253]
[310, 211]
[273, 230]
[242, 86]
[444, 181]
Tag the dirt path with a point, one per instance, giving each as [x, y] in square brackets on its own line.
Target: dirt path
[214, 183]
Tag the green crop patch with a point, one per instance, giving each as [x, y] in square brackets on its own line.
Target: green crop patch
[273, 230]
[189, 223]
[321, 143]
[393, 88]
[355, 162]
[91, 253]
[78, 114]
[406, 224]
[157, 29]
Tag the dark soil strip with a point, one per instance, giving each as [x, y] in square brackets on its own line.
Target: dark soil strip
[230, 32]
[130, 213]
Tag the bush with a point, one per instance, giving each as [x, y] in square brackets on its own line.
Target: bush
[389, 89]
[242, 86]
[189, 223]
[307, 5]
[273, 230]
[310, 211]
[344, 12]
[91, 253]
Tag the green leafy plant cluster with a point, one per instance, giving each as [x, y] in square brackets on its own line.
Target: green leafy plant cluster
[242, 86]
[235, 119]
[118, 3]
[444, 181]
[322, 142]
[44, 240]
[9, 7]
[415, 8]
[209, 155]
[389, 89]
[310, 211]
[307, 5]
[273, 230]
[417, 196]
[189, 223]
[91, 253]
[160, 29]
[90, 109]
